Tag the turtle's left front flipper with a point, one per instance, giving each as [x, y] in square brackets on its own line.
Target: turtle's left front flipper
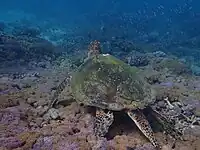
[141, 122]
[59, 89]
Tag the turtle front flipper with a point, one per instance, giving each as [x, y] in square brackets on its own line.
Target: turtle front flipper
[141, 122]
[102, 122]
[59, 89]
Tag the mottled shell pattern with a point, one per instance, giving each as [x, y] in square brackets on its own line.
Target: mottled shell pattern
[107, 82]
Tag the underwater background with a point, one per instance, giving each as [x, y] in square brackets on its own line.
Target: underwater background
[42, 42]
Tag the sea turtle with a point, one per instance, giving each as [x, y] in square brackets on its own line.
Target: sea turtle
[107, 83]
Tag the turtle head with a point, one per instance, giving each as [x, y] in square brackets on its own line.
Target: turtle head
[94, 48]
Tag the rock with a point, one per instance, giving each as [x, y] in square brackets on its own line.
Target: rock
[28, 138]
[10, 116]
[44, 143]
[16, 86]
[161, 104]
[192, 105]
[41, 110]
[167, 84]
[45, 107]
[197, 112]
[26, 85]
[33, 125]
[54, 113]
[39, 121]
[101, 144]
[195, 70]
[137, 59]
[35, 104]
[68, 145]
[31, 100]
[194, 130]
[159, 54]
[10, 142]
[166, 147]
[42, 65]
[47, 117]
[146, 147]
[42, 101]
[172, 65]
[184, 148]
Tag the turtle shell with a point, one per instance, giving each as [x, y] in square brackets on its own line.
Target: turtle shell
[107, 82]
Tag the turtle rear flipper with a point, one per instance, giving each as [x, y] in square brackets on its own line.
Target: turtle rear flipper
[102, 122]
[144, 126]
[167, 125]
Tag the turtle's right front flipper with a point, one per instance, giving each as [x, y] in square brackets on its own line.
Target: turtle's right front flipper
[102, 122]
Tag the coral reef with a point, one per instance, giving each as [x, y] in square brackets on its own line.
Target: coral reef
[137, 59]
[25, 93]
[72, 128]
[26, 48]
[26, 31]
[173, 66]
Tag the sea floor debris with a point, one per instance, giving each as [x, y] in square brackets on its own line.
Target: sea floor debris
[70, 126]
[26, 91]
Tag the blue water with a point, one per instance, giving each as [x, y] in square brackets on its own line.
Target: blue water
[169, 24]
[46, 34]
[68, 8]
